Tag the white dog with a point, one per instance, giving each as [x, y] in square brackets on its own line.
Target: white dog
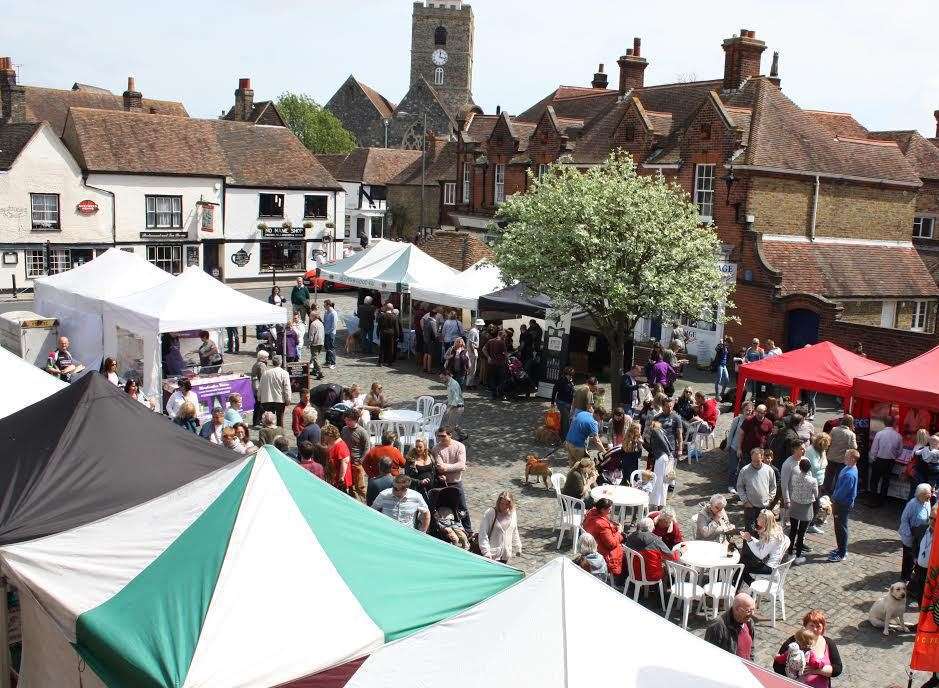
[890, 608]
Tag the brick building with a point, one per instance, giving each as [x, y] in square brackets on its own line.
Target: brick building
[815, 213]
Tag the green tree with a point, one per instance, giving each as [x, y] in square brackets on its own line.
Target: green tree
[318, 129]
[614, 244]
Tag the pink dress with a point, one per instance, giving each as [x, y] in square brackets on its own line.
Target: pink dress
[815, 679]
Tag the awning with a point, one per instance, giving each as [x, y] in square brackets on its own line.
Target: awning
[23, 383]
[912, 384]
[462, 290]
[389, 266]
[516, 299]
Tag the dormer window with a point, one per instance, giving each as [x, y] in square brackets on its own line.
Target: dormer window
[440, 36]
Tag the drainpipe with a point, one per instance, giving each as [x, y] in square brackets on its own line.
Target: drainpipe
[113, 207]
[814, 210]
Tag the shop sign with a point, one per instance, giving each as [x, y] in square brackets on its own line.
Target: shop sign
[208, 218]
[87, 207]
[241, 258]
[556, 347]
[728, 272]
[283, 232]
[164, 236]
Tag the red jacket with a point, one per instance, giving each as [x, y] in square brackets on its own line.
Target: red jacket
[609, 539]
[708, 412]
[297, 417]
[670, 539]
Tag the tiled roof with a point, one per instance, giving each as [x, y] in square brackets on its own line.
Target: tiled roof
[52, 104]
[249, 154]
[376, 166]
[384, 106]
[479, 128]
[839, 123]
[931, 261]
[572, 102]
[922, 155]
[679, 100]
[13, 139]
[440, 166]
[784, 137]
[836, 270]
[257, 111]
[459, 250]
[594, 144]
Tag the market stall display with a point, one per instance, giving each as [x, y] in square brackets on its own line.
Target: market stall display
[24, 384]
[192, 300]
[212, 391]
[560, 600]
[79, 297]
[822, 367]
[241, 577]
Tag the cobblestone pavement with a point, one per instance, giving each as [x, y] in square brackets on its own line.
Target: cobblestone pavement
[501, 433]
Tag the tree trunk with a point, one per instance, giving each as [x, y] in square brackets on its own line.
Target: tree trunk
[616, 339]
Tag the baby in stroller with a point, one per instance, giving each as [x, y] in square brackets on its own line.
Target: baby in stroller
[450, 527]
[446, 518]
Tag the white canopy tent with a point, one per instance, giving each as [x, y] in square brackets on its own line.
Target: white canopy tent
[542, 632]
[462, 290]
[24, 383]
[388, 266]
[79, 297]
[192, 300]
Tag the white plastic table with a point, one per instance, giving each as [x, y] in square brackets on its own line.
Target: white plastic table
[703, 554]
[401, 416]
[621, 495]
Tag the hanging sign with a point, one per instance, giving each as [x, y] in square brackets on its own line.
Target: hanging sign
[87, 207]
[240, 258]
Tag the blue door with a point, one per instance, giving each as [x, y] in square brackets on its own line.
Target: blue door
[801, 328]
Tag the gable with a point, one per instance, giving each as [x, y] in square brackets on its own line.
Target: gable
[502, 142]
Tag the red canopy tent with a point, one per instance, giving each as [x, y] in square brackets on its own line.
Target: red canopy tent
[914, 384]
[822, 367]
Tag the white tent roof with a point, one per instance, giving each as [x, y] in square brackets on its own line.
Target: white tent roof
[386, 264]
[463, 290]
[78, 297]
[192, 300]
[543, 632]
[24, 383]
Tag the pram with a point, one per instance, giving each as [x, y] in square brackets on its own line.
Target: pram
[518, 381]
[438, 497]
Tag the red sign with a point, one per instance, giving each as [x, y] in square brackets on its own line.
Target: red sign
[87, 207]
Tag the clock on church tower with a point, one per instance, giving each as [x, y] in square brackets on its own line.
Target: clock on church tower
[442, 51]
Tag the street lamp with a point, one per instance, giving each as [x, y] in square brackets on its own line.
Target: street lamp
[423, 160]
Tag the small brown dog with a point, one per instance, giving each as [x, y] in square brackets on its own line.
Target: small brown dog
[538, 468]
[545, 435]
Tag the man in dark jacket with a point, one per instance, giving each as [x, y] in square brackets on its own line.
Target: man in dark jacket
[300, 299]
[387, 335]
[733, 631]
[366, 315]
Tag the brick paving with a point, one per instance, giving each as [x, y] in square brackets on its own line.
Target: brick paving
[501, 433]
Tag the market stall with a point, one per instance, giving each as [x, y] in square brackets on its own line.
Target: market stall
[239, 578]
[541, 632]
[389, 267]
[822, 367]
[79, 297]
[190, 302]
[462, 290]
[24, 384]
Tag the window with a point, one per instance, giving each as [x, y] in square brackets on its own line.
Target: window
[378, 227]
[704, 191]
[360, 226]
[440, 36]
[281, 255]
[314, 206]
[60, 260]
[449, 193]
[164, 212]
[916, 316]
[348, 226]
[166, 257]
[499, 183]
[629, 132]
[270, 205]
[438, 76]
[862, 312]
[45, 210]
[705, 131]
[543, 169]
[467, 180]
[922, 227]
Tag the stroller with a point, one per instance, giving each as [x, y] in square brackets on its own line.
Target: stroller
[265, 337]
[437, 498]
[519, 382]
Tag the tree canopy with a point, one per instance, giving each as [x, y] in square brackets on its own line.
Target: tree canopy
[613, 243]
[318, 129]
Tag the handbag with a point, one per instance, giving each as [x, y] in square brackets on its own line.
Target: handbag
[474, 540]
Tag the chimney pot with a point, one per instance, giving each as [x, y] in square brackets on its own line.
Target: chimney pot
[743, 33]
[637, 43]
[601, 68]
[244, 100]
[133, 101]
[600, 79]
[629, 51]
[741, 58]
[244, 84]
[5, 64]
[632, 68]
[131, 84]
[936, 115]
[498, 110]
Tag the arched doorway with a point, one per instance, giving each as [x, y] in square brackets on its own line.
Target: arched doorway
[801, 328]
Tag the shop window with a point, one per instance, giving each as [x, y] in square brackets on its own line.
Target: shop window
[270, 205]
[60, 260]
[360, 226]
[378, 227]
[923, 227]
[449, 193]
[862, 312]
[166, 257]
[164, 212]
[499, 184]
[314, 207]
[704, 191]
[45, 210]
[282, 256]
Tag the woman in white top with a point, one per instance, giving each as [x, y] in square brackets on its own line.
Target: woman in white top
[109, 370]
[298, 326]
[498, 532]
[763, 553]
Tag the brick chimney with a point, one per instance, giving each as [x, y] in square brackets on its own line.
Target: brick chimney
[632, 68]
[244, 100]
[741, 58]
[133, 100]
[599, 79]
[12, 96]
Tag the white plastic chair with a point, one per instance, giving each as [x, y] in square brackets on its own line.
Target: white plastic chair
[635, 478]
[407, 433]
[693, 535]
[376, 428]
[557, 482]
[439, 407]
[570, 518]
[430, 425]
[640, 581]
[424, 405]
[722, 585]
[700, 442]
[683, 581]
[773, 586]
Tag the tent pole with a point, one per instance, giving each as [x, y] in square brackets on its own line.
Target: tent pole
[4, 635]
[741, 389]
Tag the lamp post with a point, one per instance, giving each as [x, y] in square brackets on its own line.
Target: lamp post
[423, 161]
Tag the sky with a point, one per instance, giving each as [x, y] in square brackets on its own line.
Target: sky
[878, 60]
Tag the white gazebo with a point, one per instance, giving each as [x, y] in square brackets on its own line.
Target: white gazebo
[462, 290]
[24, 383]
[388, 266]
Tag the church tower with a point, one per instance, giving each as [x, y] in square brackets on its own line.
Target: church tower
[442, 51]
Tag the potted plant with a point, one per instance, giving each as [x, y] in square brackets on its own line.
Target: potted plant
[330, 225]
[263, 226]
[308, 225]
[287, 224]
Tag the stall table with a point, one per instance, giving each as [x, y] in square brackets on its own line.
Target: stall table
[213, 390]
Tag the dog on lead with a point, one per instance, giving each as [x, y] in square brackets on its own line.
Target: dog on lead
[890, 608]
[538, 468]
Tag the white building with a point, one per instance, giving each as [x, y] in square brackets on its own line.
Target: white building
[364, 175]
